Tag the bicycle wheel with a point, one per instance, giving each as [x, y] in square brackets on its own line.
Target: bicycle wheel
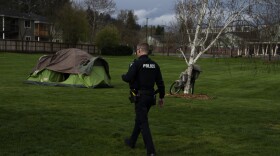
[174, 88]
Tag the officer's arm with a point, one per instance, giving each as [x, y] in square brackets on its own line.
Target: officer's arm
[160, 83]
[130, 75]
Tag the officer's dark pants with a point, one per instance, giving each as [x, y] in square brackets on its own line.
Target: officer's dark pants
[142, 107]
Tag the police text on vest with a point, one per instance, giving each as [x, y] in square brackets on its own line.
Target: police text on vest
[149, 66]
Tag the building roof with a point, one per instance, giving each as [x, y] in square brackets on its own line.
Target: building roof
[29, 16]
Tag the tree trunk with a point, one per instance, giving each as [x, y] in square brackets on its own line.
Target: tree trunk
[266, 50]
[258, 50]
[255, 50]
[275, 51]
[188, 84]
[189, 71]
[270, 52]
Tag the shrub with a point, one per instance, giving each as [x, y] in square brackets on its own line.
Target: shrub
[107, 37]
[120, 50]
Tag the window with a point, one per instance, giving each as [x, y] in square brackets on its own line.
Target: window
[27, 38]
[27, 24]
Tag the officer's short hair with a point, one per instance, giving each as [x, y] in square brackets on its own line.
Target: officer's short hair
[144, 47]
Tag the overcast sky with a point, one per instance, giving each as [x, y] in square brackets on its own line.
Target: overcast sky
[158, 12]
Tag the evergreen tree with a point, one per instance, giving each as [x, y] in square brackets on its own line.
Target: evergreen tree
[159, 30]
[131, 21]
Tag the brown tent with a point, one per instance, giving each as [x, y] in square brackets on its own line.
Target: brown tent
[71, 67]
[65, 61]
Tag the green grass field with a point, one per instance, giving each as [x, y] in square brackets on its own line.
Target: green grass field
[242, 118]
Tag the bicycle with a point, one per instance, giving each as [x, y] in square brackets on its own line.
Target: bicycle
[180, 84]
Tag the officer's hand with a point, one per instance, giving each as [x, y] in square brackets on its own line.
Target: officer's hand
[161, 102]
[122, 76]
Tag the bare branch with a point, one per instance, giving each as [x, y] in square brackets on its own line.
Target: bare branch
[228, 22]
[182, 52]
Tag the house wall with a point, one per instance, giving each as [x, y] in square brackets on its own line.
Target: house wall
[42, 32]
[11, 28]
[24, 31]
[14, 27]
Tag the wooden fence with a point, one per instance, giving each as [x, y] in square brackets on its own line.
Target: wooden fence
[42, 47]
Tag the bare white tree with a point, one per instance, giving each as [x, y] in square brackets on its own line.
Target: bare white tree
[205, 21]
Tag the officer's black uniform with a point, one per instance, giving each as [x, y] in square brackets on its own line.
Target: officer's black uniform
[145, 73]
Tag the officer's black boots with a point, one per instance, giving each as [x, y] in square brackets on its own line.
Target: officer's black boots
[128, 143]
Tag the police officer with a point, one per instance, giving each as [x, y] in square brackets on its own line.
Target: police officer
[145, 73]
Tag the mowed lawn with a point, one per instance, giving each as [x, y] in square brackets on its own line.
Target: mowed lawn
[242, 118]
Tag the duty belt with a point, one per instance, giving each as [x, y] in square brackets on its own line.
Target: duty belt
[147, 92]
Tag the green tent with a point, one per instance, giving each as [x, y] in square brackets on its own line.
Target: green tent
[71, 67]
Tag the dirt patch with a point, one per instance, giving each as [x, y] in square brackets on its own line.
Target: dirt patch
[191, 96]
